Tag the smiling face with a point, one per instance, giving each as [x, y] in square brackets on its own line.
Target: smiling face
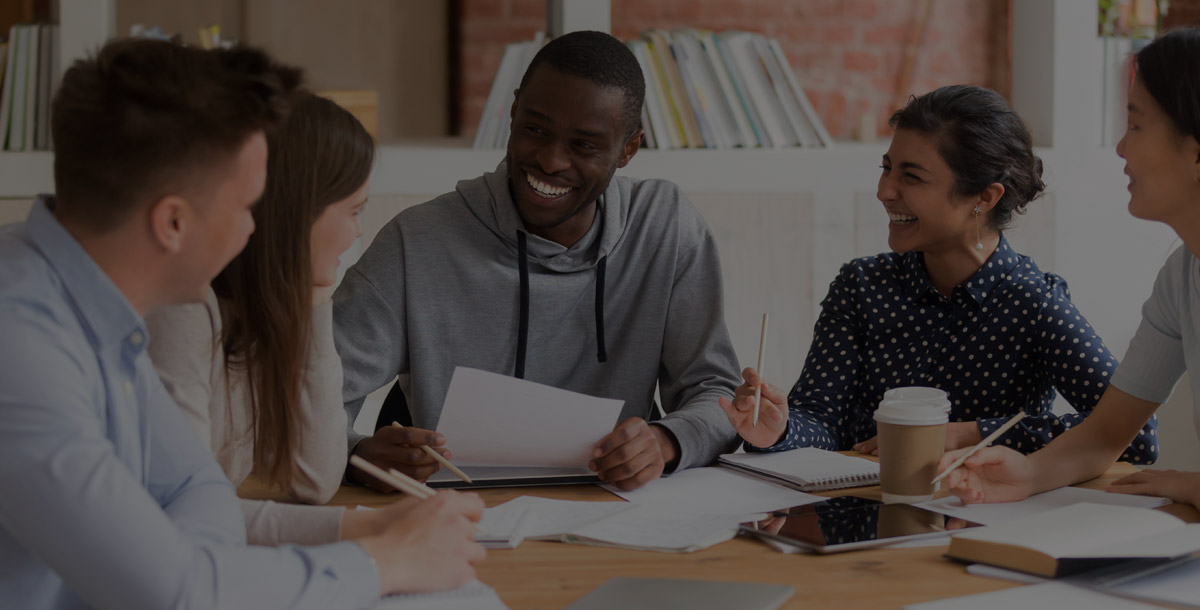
[917, 190]
[568, 138]
[1161, 162]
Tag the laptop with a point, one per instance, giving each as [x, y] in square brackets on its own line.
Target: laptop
[675, 594]
[511, 476]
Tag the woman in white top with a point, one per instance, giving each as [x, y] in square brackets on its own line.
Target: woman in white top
[254, 367]
[1161, 149]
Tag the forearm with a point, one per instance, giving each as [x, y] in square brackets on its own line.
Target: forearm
[1089, 449]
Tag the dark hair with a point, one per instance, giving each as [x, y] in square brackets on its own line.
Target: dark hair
[983, 141]
[137, 120]
[601, 59]
[320, 156]
[1168, 67]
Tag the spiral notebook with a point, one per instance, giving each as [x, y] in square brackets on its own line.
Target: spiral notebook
[806, 469]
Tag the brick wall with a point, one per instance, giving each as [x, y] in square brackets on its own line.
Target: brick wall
[1182, 12]
[847, 54]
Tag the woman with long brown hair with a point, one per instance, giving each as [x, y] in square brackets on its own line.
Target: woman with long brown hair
[254, 367]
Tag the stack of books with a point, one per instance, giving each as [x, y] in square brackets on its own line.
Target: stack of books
[29, 70]
[703, 90]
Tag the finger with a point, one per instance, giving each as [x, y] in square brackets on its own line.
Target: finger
[750, 376]
[640, 477]
[624, 432]
[1145, 489]
[774, 394]
[626, 452]
[1137, 477]
[410, 436]
[629, 468]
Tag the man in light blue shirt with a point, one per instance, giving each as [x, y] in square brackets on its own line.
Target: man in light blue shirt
[108, 499]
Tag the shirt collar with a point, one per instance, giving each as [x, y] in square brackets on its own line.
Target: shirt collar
[101, 304]
[981, 284]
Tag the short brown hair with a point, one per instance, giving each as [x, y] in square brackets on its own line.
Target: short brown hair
[134, 122]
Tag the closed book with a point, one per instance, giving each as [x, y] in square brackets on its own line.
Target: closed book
[762, 94]
[806, 469]
[655, 122]
[657, 81]
[1076, 538]
[34, 50]
[732, 102]
[742, 91]
[12, 115]
[660, 44]
[810, 114]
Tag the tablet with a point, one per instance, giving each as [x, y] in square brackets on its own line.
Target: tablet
[850, 523]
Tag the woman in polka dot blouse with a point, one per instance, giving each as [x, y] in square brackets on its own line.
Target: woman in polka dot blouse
[1161, 150]
[952, 306]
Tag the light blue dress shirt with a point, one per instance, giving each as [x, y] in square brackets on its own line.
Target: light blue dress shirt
[107, 498]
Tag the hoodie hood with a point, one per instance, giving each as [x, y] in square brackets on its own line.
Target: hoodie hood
[490, 200]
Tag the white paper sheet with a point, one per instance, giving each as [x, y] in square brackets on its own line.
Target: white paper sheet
[991, 514]
[715, 491]
[496, 420]
[605, 523]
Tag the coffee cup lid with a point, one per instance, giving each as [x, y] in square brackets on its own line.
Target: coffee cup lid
[914, 406]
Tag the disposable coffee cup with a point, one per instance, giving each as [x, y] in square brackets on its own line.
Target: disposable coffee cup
[911, 423]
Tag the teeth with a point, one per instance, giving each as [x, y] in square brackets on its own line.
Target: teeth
[546, 190]
[900, 217]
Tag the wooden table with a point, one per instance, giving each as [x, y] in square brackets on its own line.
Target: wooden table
[551, 575]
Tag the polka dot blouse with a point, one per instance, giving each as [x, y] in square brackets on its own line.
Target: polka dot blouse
[1005, 340]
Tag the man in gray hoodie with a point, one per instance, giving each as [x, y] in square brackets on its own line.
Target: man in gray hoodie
[553, 270]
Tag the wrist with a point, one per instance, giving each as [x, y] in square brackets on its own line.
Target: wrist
[667, 446]
[359, 524]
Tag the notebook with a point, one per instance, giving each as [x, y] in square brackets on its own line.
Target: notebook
[806, 469]
[473, 596]
[1076, 538]
[673, 594]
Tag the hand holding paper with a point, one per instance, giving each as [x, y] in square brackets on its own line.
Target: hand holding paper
[634, 454]
[496, 420]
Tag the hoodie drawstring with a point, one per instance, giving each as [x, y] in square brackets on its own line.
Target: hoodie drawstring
[602, 349]
[523, 328]
[523, 331]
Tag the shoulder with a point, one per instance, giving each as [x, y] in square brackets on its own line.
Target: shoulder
[880, 268]
[660, 205]
[185, 321]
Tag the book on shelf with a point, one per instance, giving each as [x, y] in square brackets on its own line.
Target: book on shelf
[29, 74]
[806, 469]
[1076, 538]
[703, 90]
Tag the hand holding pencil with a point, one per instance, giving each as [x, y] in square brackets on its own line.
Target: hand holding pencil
[402, 448]
[982, 474]
[772, 413]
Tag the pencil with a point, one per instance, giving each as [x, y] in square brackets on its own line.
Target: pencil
[983, 443]
[762, 341]
[441, 460]
[400, 481]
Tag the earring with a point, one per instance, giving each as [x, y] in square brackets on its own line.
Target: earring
[978, 241]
